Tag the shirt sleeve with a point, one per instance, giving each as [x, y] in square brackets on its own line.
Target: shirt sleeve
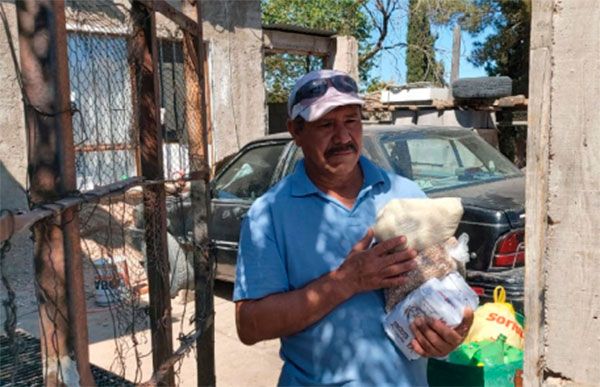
[260, 267]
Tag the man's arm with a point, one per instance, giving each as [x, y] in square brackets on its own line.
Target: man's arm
[364, 269]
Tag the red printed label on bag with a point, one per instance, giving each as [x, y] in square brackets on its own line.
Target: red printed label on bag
[506, 322]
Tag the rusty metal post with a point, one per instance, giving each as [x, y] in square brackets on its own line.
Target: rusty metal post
[145, 51]
[58, 261]
[197, 127]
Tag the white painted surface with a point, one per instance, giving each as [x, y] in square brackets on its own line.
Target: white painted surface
[414, 94]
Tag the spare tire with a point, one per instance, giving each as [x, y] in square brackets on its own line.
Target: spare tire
[482, 87]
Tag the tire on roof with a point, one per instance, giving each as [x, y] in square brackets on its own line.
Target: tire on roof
[482, 87]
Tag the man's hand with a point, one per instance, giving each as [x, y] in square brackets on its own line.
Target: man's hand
[364, 269]
[382, 266]
[434, 339]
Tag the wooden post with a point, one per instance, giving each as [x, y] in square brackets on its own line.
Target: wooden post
[198, 153]
[562, 287]
[537, 189]
[58, 261]
[455, 72]
[147, 86]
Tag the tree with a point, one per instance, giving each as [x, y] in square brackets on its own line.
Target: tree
[371, 22]
[421, 64]
[506, 50]
[341, 16]
[358, 18]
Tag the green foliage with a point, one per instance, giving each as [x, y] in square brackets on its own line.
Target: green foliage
[469, 14]
[421, 65]
[376, 84]
[506, 50]
[282, 71]
[343, 17]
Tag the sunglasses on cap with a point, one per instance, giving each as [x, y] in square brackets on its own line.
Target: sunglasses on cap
[318, 87]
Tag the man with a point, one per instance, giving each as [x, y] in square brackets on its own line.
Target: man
[307, 271]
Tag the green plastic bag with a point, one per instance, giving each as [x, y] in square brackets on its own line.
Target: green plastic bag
[484, 363]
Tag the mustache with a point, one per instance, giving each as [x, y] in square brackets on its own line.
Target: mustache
[341, 148]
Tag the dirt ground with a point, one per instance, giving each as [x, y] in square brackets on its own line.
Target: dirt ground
[113, 330]
[235, 363]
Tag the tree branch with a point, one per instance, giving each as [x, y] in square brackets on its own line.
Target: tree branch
[386, 10]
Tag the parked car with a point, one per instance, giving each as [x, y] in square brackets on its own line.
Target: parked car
[443, 161]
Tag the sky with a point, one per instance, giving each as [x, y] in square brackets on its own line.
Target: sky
[392, 67]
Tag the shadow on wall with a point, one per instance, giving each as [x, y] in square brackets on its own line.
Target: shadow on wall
[12, 194]
[13, 197]
[227, 15]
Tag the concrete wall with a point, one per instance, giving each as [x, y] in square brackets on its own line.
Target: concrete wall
[563, 195]
[13, 149]
[463, 118]
[13, 142]
[345, 55]
[237, 94]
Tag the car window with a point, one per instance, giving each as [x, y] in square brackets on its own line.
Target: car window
[294, 158]
[444, 160]
[433, 158]
[250, 175]
[440, 158]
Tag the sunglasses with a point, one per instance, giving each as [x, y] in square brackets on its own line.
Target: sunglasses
[318, 87]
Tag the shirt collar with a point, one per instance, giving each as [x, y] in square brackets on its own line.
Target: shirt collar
[303, 186]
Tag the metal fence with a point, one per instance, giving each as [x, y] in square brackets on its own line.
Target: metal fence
[116, 120]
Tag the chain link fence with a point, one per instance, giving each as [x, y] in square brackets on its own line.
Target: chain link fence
[113, 224]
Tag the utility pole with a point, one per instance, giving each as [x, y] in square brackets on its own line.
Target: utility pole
[455, 72]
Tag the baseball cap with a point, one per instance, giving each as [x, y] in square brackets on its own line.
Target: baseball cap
[319, 92]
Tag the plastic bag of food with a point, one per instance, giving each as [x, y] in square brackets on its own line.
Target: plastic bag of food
[429, 226]
[444, 300]
[495, 318]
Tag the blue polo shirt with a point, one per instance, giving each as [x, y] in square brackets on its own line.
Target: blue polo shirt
[294, 234]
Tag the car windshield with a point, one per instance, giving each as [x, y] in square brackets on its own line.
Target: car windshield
[444, 159]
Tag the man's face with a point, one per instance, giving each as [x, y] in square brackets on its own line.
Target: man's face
[331, 144]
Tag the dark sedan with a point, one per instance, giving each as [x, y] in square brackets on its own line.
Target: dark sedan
[442, 161]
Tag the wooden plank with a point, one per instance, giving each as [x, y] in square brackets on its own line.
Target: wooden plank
[155, 215]
[14, 223]
[296, 43]
[173, 14]
[200, 196]
[536, 198]
[59, 267]
[104, 147]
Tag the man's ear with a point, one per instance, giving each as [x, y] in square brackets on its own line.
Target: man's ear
[293, 130]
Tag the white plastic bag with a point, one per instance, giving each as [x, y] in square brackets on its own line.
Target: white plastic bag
[460, 252]
[444, 300]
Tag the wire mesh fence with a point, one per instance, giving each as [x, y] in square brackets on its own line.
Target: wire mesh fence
[117, 227]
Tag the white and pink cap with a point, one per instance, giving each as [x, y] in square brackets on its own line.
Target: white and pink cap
[311, 109]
